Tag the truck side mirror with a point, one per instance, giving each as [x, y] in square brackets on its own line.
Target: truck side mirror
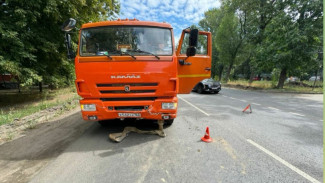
[191, 50]
[66, 27]
[68, 40]
[70, 52]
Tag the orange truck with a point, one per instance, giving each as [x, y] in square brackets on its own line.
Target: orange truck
[132, 69]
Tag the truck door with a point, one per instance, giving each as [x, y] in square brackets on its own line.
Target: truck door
[195, 68]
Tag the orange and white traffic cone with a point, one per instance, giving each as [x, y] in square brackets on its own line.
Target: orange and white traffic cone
[207, 137]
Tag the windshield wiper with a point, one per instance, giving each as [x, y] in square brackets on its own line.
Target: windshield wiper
[121, 53]
[130, 55]
[141, 51]
[109, 56]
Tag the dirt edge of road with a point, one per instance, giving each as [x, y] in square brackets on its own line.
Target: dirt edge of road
[18, 127]
[30, 149]
[252, 88]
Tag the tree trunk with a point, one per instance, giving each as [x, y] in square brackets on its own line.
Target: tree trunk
[4, 82]
[251, 77]
[18, 81]
[40, 87]
[282, 78]
[220, 72]
[315, 80]
[228, 72]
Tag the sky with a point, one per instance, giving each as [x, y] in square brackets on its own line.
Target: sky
[179, 13]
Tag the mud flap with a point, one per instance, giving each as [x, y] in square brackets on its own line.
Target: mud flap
[118, 137]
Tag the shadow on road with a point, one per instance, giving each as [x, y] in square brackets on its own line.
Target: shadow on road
[205, 93]
[70, 134]
[48, 140]
[96, 137]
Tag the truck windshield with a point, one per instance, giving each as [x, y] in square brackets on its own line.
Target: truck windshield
[117, 40]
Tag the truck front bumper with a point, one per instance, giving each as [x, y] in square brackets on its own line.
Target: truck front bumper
[106, 110]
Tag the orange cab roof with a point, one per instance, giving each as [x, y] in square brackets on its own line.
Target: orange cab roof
[126, 22]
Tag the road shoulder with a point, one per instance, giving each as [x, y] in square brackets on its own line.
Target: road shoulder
[33, 148]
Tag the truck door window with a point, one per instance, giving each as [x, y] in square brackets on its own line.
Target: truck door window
[202, 44]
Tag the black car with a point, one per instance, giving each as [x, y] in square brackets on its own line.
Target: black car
[208, 85]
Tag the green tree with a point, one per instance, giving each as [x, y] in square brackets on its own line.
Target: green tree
[210, 22]
[272, 35]
[31, 42]
[255, 16]
[229, 39]
[293, 39]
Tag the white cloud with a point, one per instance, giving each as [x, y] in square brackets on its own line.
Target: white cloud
[176, 39]
[166, 3]
[179, 13]
[153, 3]
[131, 10]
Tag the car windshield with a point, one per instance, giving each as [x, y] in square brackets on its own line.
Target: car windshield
[208, 80]
[133, 40]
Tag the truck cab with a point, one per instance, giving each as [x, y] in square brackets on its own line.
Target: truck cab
[132, 69]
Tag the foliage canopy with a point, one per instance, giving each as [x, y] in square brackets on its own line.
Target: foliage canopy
[31, 42]
[263, 36]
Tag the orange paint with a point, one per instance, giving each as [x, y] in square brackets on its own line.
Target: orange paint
[121, 84]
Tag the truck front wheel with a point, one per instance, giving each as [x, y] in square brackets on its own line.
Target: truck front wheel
[102, 123]
[169, 122]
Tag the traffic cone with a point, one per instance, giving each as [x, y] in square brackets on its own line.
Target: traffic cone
[207, 137]
[250, 108]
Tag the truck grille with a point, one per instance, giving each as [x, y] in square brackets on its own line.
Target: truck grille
[123, 84]
[129, 99]
[122, 91]
[119, 88]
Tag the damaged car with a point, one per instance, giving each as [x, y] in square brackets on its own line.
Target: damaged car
[208, 85]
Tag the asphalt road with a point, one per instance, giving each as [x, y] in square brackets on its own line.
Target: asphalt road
[280, 141]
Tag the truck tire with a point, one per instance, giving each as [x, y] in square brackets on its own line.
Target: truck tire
[168, 122]
[103, 123]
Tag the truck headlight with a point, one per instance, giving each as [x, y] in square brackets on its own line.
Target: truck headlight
[169, 105]
[88, 107]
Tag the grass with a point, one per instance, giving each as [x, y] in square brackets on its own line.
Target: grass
[304, 87]
[10, 135]
[15, 106]
[31, 124]
[8, 98]
[257, 84]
